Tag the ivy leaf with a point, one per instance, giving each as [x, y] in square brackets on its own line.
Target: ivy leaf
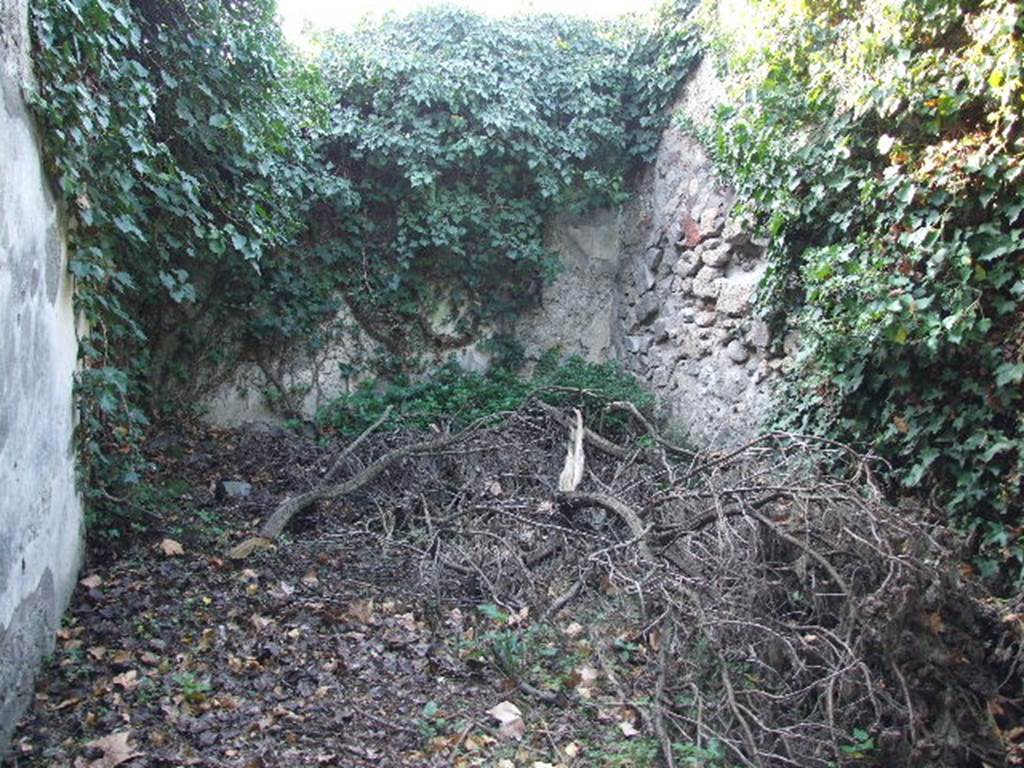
[1009, 373]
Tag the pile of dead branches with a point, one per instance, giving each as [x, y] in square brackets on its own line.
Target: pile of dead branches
[799, 618]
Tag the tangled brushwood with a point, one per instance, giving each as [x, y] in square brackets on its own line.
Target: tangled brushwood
[790, 615]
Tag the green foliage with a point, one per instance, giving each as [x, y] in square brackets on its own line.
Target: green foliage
[193, 689]
[431, 723]
[462, 134]
[861, 748]
[710, 756]
[458, 397]
[879, 144]
[636, 752]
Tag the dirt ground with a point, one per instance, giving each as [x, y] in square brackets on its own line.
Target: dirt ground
[321, 652]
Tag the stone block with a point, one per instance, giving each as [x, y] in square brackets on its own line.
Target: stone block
[716, 257]
[646, 310]
[705, 318]
[707, 282]
[643, 277]
[711, 221]
[653, 258]
[637, 345]
[682, 285]
[688, 264]
[733, 234]
[737, 352]
[759, 336]
[734, 296]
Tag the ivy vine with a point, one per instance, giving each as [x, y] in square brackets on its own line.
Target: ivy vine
[880, 145]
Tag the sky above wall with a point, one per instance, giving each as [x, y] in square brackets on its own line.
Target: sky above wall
[343, 14]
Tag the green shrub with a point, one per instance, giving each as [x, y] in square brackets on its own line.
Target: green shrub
[461, 135]
[453, 396]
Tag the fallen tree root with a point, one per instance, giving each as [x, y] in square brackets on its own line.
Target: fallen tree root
[291, 506]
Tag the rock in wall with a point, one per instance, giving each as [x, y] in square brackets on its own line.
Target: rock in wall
[40, 511]
[577, 309]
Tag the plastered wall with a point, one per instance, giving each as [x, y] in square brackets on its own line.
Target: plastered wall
[40, 511]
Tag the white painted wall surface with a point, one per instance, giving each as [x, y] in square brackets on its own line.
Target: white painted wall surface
[40, 511]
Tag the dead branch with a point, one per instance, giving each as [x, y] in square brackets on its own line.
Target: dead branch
[602, 444]
[351, 448]
[572, 473]
[291, 506]
[803, 608]
[628, 407]
[579, 500]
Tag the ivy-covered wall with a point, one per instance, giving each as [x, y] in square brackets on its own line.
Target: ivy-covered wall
[40, 511]
[664, 284]
[880, 145]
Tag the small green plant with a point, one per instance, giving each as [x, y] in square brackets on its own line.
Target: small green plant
[862, 746]
[710, 756]
[460, 397]
[193, 689]
[430, 723]
[148, 691]
[637, 752]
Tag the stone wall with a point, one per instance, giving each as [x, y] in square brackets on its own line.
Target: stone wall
[40, 511]
[688, 281]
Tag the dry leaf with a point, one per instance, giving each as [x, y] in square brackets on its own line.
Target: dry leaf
[115, 748]
[408, 621]
[587, 680]
[311, 579]
[361, 611]
[574, 629]
[587, 674]
[65, 704]
[171, 548]
[98, 652]
[571, 749]
[628, 729]
[127, 680]
[207, 639]
[284, 589]
[654, 639]
[511, 719]
[91, 582]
